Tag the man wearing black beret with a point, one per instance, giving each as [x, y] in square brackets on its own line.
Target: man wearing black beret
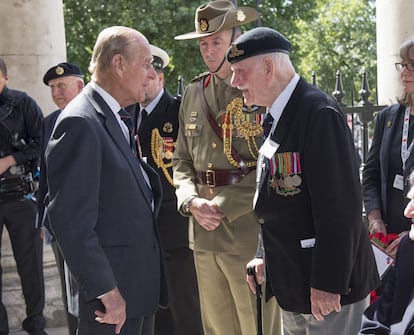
[319, 260]
[66, 82]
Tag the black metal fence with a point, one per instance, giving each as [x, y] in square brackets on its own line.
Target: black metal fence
[359, 114]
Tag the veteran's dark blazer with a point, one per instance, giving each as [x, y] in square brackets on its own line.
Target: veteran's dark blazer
[100, 209]
[376, 168]
[393, 312]
[173, 227]
[327, 209]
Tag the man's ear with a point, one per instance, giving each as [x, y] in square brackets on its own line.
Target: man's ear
[118, 63]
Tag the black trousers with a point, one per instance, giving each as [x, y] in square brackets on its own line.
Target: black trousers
[183, 316]
[19, 218]
[140, 326]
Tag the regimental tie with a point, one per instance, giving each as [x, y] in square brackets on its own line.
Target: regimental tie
[133, 139]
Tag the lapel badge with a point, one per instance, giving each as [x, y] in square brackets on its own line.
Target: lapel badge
[203, 25]
[167, 127]
[59, 70]
[193, 114]
[389, 124]
[191, 126]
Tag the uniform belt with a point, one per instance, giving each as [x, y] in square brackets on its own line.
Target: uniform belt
[219, 178]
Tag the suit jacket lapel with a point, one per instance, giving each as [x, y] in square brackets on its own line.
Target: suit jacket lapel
[112, 126]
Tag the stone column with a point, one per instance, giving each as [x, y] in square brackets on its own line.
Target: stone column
[32, 40]
[394, 26]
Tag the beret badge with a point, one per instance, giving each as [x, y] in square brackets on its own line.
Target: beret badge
[59, 70]
[235, 52]
[240, 16]
[203, 25]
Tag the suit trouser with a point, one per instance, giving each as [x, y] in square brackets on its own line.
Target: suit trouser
[183, 316]
[19, 218]
[138, 326]
[227, 304]
[346, 322]
[72, 320]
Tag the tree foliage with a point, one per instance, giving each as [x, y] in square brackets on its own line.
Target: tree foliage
[326, 36]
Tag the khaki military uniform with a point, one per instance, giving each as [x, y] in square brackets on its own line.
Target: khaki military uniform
[228, 306]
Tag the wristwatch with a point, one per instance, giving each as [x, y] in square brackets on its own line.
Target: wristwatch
[186, 206]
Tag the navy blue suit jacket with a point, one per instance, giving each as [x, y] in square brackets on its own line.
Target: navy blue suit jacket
[100, 209]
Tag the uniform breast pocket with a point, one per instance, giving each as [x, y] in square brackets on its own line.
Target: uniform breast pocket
[193, 135]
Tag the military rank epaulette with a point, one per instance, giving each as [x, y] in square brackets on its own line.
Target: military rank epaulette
[200, 77]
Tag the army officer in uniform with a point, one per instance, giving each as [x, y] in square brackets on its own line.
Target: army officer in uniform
[214, 163]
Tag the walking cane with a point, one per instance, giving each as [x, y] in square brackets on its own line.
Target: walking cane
[251, 272]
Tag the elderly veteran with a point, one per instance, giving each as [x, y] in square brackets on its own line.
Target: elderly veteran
[65, 81]
[318, 256]
[213, 166]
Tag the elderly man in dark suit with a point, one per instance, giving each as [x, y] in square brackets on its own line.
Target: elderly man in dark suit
[103, 198]
[319, 260]
[66, 82]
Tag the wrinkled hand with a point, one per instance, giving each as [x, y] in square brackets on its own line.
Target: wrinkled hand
[115, 310]
[323, 303]
[207, 213]
[392, 248]
[258, 266]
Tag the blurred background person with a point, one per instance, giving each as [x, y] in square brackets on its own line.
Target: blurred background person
[393, 312]
[20, 136]
[65, 81]
[389, 161]
[156, 121]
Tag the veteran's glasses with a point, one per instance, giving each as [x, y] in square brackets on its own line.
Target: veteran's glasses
[401, 66]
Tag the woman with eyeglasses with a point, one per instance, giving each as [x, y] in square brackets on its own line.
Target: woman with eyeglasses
[390, 162]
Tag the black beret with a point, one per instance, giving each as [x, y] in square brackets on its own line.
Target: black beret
[257, 41]
[62, 70]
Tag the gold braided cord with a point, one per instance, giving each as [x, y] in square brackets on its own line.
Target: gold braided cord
[234, 112]
[157, 143]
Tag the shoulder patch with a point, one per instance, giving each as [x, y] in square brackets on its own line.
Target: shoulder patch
[200, 76]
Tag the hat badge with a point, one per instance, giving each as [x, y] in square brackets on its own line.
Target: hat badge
[235, 52]
[240, 16]
[203, 25]
[59, 70]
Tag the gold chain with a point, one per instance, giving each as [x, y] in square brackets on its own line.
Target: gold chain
[234, 111]
[157, 143]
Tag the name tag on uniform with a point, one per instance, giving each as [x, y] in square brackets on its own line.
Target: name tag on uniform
[308, 243]
[269, 148]
[398, 182]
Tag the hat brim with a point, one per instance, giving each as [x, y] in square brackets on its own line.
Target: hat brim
[156, 51]
[230, 21]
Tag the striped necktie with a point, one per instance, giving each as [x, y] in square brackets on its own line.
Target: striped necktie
[126, 117]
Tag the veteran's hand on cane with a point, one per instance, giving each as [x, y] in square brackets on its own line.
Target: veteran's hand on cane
[207, 213]
[258, 265]
[323, 303]
[115, 310]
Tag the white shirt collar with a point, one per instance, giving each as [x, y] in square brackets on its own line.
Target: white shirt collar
[113, 105]
[153, 103]
[281, 101]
